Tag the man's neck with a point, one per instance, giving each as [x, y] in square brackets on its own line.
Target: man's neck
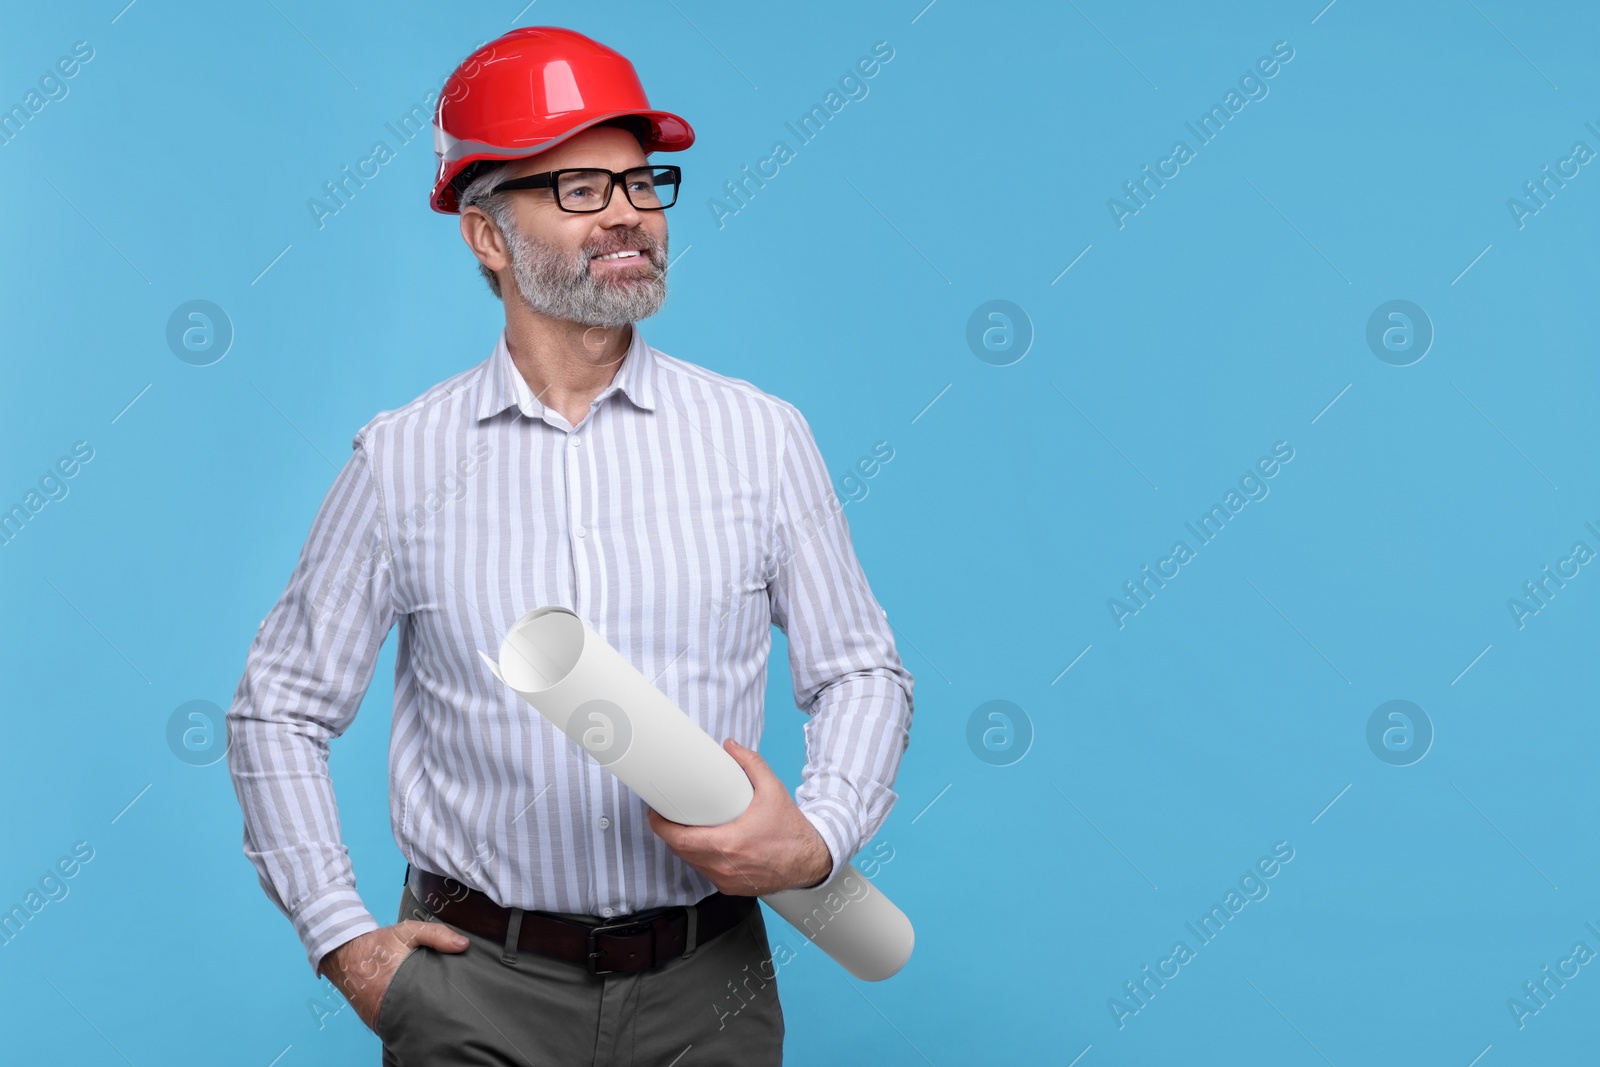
[566, 364]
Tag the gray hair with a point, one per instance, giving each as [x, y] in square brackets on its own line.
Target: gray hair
[496, 205]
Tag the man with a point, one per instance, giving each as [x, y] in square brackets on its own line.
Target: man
[549, 916]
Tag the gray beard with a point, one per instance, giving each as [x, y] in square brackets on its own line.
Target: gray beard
[563, 287]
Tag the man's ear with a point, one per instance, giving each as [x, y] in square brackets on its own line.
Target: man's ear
[481, 234]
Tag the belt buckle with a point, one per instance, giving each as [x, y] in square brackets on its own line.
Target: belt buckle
[593, 953]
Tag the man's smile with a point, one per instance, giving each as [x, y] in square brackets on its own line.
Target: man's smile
[631, 260]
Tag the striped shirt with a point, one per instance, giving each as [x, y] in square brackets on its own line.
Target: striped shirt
[684, 515]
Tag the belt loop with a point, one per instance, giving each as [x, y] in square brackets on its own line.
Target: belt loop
[692, 914]
[508, 954]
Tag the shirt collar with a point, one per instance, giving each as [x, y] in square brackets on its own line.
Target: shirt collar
[503, 386]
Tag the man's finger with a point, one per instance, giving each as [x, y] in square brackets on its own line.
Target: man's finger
[433, 935]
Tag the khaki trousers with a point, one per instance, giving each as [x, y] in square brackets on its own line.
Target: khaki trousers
[718, 1008]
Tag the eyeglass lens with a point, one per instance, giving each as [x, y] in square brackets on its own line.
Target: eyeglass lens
[588, 190]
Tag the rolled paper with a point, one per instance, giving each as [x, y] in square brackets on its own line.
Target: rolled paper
[572, 676]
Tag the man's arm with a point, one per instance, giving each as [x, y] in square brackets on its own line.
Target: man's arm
[847, 674]
[307, 672]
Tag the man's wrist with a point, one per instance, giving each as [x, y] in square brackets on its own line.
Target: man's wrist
[333, 960]
[821, 861]
[832, 854]
[330, 918]
[330, 958]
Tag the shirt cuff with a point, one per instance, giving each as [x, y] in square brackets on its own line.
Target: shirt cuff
[836, 826]
[328, 919]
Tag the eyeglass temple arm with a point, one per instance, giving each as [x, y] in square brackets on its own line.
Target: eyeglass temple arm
[531, 181]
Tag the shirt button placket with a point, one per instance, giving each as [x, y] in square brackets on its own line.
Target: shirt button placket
[598, 786]
[575, 479]
[580, 533]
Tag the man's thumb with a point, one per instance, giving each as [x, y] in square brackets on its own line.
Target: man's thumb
[435, 935]
[747, 757]
[750, 761]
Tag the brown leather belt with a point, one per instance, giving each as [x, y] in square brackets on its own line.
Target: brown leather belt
[637, 942]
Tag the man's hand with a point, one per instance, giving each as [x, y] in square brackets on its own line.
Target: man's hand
[771, 847]
[362, 967]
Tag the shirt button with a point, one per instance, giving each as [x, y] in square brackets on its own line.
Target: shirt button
[605, 823]
[607, 912]
[581, 532]
[576, 441]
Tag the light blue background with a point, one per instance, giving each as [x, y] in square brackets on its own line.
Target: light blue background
[1223, 317]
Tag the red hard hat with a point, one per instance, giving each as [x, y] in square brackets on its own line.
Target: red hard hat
[531, 89]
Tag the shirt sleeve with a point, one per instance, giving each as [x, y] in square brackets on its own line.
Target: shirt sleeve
[848, 677]
[307, 671]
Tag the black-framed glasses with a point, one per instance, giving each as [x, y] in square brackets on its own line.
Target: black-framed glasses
[585, 189]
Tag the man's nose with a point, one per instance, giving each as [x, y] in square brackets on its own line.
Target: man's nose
[620, 212]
